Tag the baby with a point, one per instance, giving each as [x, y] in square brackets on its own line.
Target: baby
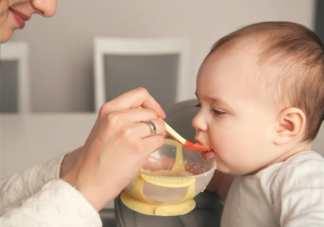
[261, 96]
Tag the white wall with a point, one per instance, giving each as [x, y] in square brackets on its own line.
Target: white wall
[61, 47]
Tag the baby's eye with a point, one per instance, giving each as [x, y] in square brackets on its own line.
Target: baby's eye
[198, 105]
[217, 112]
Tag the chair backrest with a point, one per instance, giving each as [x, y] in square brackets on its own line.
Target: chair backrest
[158, 64]
[14, 78]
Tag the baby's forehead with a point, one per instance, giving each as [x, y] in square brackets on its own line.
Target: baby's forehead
[242, 56]
[257, 55]
[248, 49]
[231, 76]
[239, 64]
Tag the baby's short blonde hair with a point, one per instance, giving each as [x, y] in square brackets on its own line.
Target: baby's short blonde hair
[291, 60]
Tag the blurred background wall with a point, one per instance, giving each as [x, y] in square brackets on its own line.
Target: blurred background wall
[61, 48]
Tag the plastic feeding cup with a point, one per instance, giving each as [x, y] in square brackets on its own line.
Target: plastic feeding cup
[168, 182]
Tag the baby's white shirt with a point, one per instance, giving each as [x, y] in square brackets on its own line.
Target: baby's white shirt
[286, 194]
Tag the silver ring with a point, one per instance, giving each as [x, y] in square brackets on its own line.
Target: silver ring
[152, 127]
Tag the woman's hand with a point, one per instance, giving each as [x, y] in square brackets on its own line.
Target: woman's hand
[117, 147]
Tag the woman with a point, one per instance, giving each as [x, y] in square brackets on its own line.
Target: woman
[70, 190]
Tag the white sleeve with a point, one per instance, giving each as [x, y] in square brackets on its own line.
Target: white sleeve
[298, 193]
[26, 183]
[56, 204]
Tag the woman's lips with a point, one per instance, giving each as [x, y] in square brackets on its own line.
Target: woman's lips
[19, 17]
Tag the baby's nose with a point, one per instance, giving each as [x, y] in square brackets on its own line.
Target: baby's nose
[199, 123]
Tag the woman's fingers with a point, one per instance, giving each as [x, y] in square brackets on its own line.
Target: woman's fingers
[129, 122]
[133, 99]
[144, 129]
[152, 144]
[139, 131]
[131, 116]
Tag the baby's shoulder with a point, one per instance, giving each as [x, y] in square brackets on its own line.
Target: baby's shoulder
[303, 161]
[297, 190]
[304, 168]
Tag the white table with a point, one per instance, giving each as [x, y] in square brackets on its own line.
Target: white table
[26, 140]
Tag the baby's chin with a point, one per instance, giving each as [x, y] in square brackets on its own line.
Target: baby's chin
[220, 166]
[207, 155]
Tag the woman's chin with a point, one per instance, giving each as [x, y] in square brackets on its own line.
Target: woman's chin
[5, 35]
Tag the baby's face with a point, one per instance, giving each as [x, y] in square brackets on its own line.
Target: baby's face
[235, 118]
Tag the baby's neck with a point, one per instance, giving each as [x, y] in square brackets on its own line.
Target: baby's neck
[287, 152]
[305, 146]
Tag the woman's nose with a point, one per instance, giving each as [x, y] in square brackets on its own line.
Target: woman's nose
[46, 7]
[199, 123]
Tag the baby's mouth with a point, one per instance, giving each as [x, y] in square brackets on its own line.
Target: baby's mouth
[202, 144]
[207, 154]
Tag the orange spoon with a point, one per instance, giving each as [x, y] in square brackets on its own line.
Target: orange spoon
[184, 142]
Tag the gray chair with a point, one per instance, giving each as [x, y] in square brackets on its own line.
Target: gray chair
[158, 64]
[208, 207]
[14, 78]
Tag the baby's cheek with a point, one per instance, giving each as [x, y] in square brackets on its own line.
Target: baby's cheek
[226, 144]
[231, 149]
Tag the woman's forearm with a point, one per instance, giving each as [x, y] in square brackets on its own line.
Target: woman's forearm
[28, 182]
[69, 161]
[56, 204]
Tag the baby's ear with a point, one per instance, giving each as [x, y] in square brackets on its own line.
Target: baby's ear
[291, 124]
